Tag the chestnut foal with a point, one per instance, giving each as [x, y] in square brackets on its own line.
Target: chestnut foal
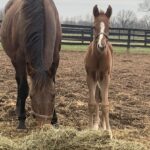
[98, 65]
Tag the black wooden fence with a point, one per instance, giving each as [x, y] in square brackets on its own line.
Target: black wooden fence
[122, 37]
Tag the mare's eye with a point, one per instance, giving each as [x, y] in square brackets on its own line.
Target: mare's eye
[93, 27]
[31, 96]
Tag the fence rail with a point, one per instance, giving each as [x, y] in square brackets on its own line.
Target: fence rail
[122, 37]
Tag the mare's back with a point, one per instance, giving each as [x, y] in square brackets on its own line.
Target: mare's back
[10, 26]
[12, 31]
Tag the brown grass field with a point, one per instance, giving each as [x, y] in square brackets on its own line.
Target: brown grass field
[129, 96]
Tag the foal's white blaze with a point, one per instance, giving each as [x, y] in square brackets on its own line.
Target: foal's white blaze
[102, 27]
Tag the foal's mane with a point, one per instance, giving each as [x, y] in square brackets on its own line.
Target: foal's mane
[101, 12]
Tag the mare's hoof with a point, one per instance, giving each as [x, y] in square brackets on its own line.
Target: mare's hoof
[21, 126]
[56, 125]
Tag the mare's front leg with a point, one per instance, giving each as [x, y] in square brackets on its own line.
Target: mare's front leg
[105, 103]
[53, 69]
[22, 93]
[92, 104]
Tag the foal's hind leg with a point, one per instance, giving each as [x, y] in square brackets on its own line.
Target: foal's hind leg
[105, 103]
[21, 78]
[92, 104]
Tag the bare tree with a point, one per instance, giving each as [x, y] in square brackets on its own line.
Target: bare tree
[144, 22]
[113, 22]
[145, 6]
[126, 19]
[79, 20]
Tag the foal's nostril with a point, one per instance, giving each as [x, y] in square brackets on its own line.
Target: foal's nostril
[100, 47]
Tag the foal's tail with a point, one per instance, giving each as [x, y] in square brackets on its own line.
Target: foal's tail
[33, 31]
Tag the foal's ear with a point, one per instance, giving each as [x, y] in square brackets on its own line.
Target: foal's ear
[95, 11]
[109, 11]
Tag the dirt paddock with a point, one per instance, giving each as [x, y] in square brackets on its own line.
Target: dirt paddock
[129, 95]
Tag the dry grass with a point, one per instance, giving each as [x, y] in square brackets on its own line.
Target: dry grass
[69, 139]
[7, 144]
[129, 114]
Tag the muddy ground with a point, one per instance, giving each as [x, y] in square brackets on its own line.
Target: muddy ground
[129, 96]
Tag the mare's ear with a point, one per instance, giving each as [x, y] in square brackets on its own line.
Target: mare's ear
[95, 11]
[109, 11]
[31, 71]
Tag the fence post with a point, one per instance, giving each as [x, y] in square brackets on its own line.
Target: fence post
[119, 34]
[145, 40]
[129, 40]
[82, 36]
[91, 34]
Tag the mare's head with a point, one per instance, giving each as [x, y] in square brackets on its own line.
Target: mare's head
[42, 95]
[101, 27]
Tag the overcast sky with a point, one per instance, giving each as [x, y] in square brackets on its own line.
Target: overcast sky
[71, 8]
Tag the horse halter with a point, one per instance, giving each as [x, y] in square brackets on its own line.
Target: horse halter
[105, 34]
[41, 116]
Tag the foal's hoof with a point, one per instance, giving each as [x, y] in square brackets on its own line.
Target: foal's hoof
[108, 134]
[95, 127]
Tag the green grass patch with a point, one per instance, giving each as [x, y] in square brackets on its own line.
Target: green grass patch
[83, 48]
[74, 47]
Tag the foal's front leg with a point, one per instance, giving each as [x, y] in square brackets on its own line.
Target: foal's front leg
[105, 103]
[92, 104]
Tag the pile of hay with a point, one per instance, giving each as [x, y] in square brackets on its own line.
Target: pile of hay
[7, 144]
[71, 139]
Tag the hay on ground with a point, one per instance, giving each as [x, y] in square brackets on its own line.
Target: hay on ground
[7, 144]
[69, 139]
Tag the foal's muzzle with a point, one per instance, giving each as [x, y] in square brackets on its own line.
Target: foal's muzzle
[101, 48]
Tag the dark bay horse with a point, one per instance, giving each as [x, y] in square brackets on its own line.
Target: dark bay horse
[31, 37]
[98, 65]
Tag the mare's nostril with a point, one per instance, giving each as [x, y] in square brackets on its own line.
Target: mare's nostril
[102, 48]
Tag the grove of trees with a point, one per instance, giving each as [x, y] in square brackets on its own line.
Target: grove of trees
[124, 18]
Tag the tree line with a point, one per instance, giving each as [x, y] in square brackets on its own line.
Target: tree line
[123, 19]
